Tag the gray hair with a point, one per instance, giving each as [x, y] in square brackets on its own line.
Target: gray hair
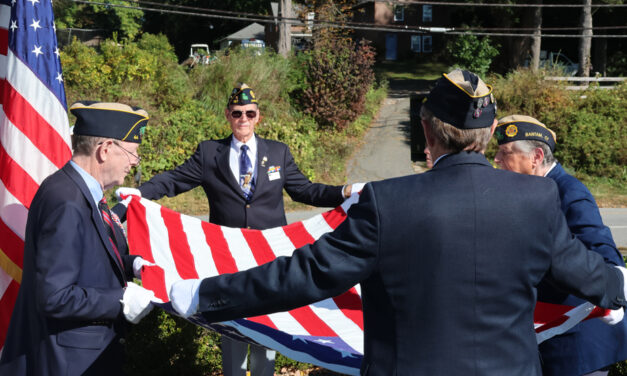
[85, 145]
[528, 146]
[454, 139]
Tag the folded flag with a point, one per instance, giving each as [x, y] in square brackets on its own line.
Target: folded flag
[328, 333]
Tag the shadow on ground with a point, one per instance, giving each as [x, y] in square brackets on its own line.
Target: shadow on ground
[404, 88]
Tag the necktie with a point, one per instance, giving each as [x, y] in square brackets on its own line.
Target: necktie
[106, 217]
[246, 181]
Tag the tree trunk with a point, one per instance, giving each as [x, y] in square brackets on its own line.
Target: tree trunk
[585, 42]
[285, 27]
[536, 40]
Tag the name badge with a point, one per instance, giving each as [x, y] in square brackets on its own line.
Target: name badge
[274, 173]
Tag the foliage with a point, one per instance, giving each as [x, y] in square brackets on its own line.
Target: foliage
[338, 75]
[469, 52]
[125, 22]
[617, 64]
[162, 344]
[590, 124]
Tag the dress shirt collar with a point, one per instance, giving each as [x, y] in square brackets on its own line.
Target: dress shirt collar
[549, 170]
[252, 144]
[440, 157]
[92, 184]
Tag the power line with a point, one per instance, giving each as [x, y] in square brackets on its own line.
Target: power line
[349, 25]
[502, 5]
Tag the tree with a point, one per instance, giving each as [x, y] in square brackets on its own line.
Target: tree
[585, 43]
[285, 28]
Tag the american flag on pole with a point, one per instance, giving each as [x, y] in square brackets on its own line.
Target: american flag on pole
[34, 132]
[327, 333]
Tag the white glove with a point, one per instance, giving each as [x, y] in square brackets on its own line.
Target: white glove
[124, 194]
[136, 302]
[184, 296]
[357, 187]
[138, 266]
[615, 316]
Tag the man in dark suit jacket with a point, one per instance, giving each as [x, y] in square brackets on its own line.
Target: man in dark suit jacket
[526, 146]
[245, 190]
[70, 311]
[448, 260]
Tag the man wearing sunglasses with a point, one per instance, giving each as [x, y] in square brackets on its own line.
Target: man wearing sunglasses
[244, 176]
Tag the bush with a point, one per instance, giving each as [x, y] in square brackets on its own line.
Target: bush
[469, 52]
[590, 125]
[337, 74]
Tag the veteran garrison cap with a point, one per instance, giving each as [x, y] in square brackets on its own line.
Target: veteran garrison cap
[463, 100]
[110, 120]
[521, 127]
[241, 95]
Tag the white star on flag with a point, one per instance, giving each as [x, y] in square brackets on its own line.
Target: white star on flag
[35, 25]
[324, 341]
[56, 51]
[33, 1]
[37, 51]
[59, 77]
[13, 25]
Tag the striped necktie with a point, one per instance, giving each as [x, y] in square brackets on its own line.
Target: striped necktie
[246, 181]
[106, 217]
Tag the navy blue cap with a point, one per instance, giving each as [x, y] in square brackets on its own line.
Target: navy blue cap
[521, 127]
[110, 120]
[241, 95]
[463, 100]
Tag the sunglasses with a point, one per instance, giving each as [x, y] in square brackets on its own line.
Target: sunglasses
[238, 114]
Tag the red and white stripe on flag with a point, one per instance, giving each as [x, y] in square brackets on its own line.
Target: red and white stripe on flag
[184, 247]
[34, 131]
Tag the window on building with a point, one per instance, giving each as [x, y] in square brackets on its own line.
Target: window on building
[427, 13]
[415, 43]
[427, 43]
[399, 13]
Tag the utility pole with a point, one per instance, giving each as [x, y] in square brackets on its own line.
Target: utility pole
[536, 40]
[285, 27]
[585, 42]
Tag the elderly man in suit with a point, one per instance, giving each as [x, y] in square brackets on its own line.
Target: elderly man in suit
[526, 146]
[243, 176]
[69, 318]
[448, 260]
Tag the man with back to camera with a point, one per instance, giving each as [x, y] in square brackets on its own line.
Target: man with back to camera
[243, 176]
[69, 318]
[526, 146]
[448, 275]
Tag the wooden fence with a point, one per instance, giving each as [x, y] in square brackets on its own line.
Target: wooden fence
[585, 82]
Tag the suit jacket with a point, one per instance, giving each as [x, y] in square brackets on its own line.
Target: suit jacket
[591, 345]
[209, 167]
[448, 263]
[68, 308]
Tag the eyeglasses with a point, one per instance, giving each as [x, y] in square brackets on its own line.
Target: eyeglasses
[238, 114]
[139, 159]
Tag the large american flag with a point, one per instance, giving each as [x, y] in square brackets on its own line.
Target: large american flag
[34, 132]
[327, 333]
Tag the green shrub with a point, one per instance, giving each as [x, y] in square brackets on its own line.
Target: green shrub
[469, 52]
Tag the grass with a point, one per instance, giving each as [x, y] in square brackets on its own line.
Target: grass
[609, 193]
[410, 70]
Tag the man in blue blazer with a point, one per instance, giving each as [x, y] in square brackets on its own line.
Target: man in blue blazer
[526, 146]
[70, 313]
[243, 176]
[448, 260]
